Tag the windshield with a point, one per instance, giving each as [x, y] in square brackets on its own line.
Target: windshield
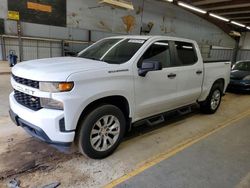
[113, 51]
[242, 66]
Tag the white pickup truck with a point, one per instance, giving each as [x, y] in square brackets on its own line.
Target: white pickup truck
[93, 99]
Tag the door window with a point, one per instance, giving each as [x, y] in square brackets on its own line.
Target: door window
[185, 53]
[158, 51]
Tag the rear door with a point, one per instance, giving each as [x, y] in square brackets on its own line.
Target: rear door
[190, 72]
[156, 92]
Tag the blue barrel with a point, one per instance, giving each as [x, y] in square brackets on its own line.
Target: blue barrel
[12, 59]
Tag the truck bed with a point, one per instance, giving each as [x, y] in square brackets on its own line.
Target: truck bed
[214, 70]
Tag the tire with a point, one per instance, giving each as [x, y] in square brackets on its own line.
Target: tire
[212, 103]
[101, 131]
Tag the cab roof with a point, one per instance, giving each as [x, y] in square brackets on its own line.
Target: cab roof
[147, 37]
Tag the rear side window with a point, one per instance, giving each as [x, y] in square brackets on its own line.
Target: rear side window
[158, 51]
[186, 53]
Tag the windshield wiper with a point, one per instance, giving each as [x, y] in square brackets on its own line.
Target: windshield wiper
[93, 58]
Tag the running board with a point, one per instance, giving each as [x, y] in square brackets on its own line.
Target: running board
[185, 110]
[155, 120]
[160, 118]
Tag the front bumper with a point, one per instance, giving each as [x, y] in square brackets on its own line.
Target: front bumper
[239, 85]
[42, 124]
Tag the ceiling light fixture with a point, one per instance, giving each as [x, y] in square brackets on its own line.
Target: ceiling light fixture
[119, 3]
[219, 17]
[169, 1]
[248, 27]
[238, 24]
[192, 7]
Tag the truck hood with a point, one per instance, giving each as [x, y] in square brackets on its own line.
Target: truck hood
[55, 69]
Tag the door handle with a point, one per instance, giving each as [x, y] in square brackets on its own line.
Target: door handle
[198, 72]
[171, 75]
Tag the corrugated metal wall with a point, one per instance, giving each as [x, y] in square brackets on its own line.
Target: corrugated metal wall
[56, 49]
[243, 55]
[29, 49]
[11, 45]
[37, 48]
[33, 48]
[227, 54]
[221, 54]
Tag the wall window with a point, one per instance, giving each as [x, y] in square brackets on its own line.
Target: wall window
[186, 53]
[158, 51]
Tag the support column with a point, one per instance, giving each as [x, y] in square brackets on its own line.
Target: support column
[3, 55]
[90, 36]
[236, 50]
[20, 45]
[63, 44]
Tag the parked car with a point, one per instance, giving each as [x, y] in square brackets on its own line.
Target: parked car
[240, 76]
[93, 99]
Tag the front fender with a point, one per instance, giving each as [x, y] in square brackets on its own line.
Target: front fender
[89, 88]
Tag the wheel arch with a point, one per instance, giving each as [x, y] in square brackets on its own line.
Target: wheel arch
[206, 90]
[117, 100]
[206, 105]
[221, 82]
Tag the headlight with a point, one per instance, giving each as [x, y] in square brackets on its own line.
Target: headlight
[246, 77]
[54, 87]
[51, 103]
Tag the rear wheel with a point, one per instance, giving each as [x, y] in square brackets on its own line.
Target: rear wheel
[213, 101]
[101, 131]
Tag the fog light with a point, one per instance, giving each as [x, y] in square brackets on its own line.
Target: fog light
[51, 104]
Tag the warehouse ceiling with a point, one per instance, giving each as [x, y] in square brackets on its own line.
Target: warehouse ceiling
[234, 10]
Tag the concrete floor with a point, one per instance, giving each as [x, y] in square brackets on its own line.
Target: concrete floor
[4, 67]
[221, 160]
[19, 152]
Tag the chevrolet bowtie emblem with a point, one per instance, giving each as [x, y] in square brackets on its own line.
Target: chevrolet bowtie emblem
[33, 99]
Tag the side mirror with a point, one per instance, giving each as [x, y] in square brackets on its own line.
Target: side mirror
[148, 66]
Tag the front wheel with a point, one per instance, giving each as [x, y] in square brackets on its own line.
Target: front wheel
[213, 101]
[101, 131]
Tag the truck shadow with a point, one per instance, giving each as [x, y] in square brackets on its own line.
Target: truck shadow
[170, 118]
[238, 92]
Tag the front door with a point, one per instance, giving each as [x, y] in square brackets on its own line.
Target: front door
[156, 92]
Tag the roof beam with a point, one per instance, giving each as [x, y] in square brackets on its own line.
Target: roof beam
[238, 15]
[240, 18]
[205, 2]
[227, 5]
[245, 22]
[234, 13]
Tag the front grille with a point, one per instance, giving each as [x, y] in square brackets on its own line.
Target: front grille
[27, 82]
[27, 100]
